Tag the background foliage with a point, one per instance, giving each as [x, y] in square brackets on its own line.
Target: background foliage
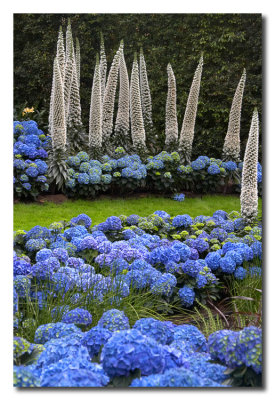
[229, 43]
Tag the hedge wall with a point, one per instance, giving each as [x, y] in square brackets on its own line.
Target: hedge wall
[229, 42]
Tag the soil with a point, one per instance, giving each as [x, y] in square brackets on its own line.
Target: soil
[54, 198]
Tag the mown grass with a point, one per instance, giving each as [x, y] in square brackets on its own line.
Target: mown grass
[27, 215]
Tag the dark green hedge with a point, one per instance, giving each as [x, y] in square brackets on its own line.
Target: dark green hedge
[229, 42]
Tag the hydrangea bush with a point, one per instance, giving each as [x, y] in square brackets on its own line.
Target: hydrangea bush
[30, 152]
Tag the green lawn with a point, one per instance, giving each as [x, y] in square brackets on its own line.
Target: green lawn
[28, 215]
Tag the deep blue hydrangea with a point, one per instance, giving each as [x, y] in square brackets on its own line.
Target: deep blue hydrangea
[187, 296]
[132, 219]
[77, 316]
[218, 343]
[174, 377]
[213, 169]
[113, 224]
[129, 350]
[230, 165]
[46, 332]
[219, 234]
[182, 221]
[61, 254]
[21, 267]
[81, 219]
[113, 320]
[164, 285]
[227, 265]
[240, 273]
[88, 243]
[182, 249]
[191, 268]
[200, 244]
[213, 260]
[256, 247]
[73, 372]
[94, 339]
[43, 255]
[205, 369]
[179, 197]
[198, 164]
[191, 335]
[163, 214]
[62, 348]
[155, 329]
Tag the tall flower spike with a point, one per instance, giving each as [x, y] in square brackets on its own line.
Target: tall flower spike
[146, 102]
[58, 111]
[68, 80]
[51, 104]
[95, 123]
[137, 125]
[122, 119]
[69, 40]
[60, 54]
[249, 189]
[171, 120]
[188, 125]
[109, 98]
[75, 134]
[231, 147]
[77, 60]
[103, 66]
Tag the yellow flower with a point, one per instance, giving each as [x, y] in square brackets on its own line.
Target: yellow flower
[27, 110]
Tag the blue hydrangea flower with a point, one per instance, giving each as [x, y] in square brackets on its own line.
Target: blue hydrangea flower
[187, 296]
[113, 320]
[227, 265]
[213, 169]
[46, 332]
[94, 339]
[155, 329]
[191, 335]
[164, 285]
[77, 316]
[128, 350]
[182, 221]
[23, 376]
[22, 285]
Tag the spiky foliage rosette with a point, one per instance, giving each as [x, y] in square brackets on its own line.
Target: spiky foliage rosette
[188, 125]
[121, 137]
[171, 121]
[109, 99]
[145, 95]
[75, 130]
[137, 125]
[95, 123]
[249, 189]
[77, 60]
[57, 164]
[103, 66]
[231, 147]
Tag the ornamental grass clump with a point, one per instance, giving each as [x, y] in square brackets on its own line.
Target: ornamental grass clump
[249, 189]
